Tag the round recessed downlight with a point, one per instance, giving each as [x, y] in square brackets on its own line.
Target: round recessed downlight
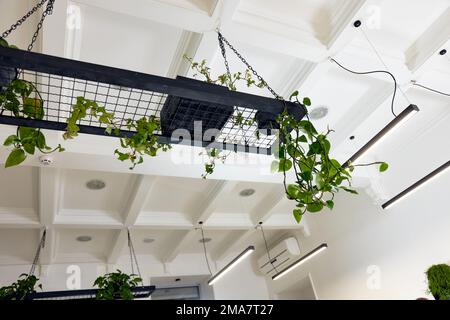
[95, 184]
[318, 112]
[177, 279]
[205, 240]
[84, 238]
[148, 240]
[247, 192]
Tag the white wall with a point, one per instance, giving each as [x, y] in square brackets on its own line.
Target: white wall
[241, 283]
[401, 242]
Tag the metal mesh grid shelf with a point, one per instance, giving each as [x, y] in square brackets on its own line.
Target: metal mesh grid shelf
[133, 95]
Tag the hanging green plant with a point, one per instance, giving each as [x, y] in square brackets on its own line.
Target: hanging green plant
[21, 289]
[22, 99]
[116, 285]
[439, 281]
[317, 176]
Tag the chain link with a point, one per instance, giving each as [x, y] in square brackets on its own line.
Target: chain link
[38, 253]
[48, 11]
[133, 258]
[23, 19]
[222, 42]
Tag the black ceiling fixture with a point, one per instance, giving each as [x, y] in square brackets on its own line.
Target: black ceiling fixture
[416, 185]
[443, 52]
[178, 103]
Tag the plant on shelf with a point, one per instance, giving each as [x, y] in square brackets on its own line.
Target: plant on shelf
[302, 150]
[20, 289]
[22, 99]
[439, 281]
[116, 285]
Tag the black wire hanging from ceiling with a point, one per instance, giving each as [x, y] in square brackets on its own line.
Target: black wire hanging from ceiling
[177, 103]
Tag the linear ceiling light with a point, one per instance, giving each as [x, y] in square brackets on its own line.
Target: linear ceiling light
[404, 116]
[300, 261]
[416, 185]
[244, 254]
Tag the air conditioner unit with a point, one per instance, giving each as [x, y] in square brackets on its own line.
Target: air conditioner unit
[281, 255]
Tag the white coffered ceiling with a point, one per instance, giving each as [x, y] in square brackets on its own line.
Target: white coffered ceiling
[289, 43]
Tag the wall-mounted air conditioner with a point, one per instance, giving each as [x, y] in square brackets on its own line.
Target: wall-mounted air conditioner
[282, 254]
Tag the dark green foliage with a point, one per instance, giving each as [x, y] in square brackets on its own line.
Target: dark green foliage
[116, 286]
[20, 289]
[303, 150]
[439, 281]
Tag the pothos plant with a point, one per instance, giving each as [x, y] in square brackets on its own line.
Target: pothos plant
[302, 150]
[20, 289]
[23, 100]
[116, 285]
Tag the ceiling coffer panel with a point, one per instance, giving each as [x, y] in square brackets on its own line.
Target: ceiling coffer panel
[179, 103]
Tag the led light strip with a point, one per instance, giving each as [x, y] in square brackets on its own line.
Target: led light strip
[244, 254]
[300, 261]
[416, 185]
[404, 116]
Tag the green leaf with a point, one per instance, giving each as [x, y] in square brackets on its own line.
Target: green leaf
[274, 166]
[29, 147]
[293, 191]
[40, 141]
[302, 138]
[10, 140]
[350, 190]
[383, 167]
[293, 151]
[3, 43]
[33, 108]
[284, 165]
[306, 101]
[330, 204]
[298, 213]
[293, 94]
[314, 207]
[16, 157]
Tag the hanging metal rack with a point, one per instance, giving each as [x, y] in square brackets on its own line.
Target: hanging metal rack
[178, 103]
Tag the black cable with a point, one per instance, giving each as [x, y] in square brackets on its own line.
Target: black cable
[430, 89]
[204, 251]
[267, 248]
[371, 72]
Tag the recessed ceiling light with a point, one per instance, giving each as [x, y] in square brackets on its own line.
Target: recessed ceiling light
[148, 240]
[84, 238]
[177, 279]
[247, 192]
[318, 112]
[442, 52]
[352, 137]
[205, 240]
[95, 184]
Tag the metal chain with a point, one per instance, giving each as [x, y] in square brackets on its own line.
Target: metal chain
[222, 42]
[47, 11]
[38, 253]
[133, 255]
[23, 19]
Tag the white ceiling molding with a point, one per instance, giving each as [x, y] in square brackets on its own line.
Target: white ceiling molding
[424, 50]
[264, 209]
[207, 207]
[159, 11]
[175, 251]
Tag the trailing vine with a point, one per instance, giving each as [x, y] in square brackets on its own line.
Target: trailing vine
[23, 100]
[302, 150]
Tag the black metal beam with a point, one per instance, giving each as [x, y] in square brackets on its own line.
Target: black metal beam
[181, 87]
[61, 126]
